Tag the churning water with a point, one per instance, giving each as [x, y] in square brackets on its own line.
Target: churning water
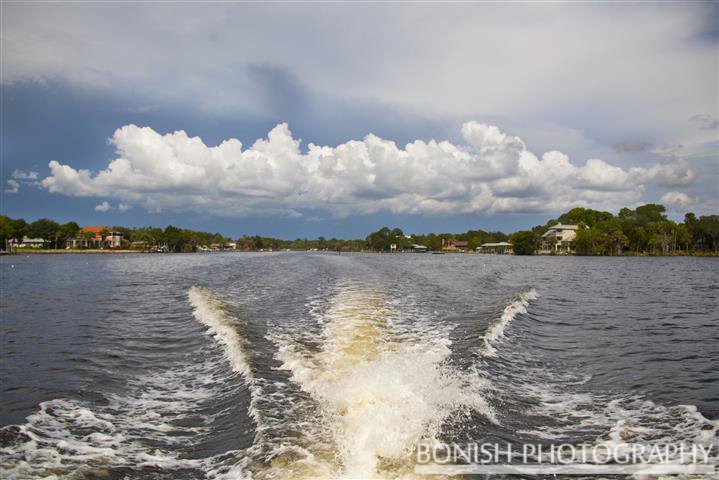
[293, 365]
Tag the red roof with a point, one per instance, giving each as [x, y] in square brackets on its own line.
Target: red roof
[94, 229]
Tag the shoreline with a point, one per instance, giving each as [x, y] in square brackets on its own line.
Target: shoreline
[70, 252]
[126, 252]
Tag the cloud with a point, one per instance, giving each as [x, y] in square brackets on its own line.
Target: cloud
[677, 200]
[492, 172]
[13, 187]
[668, 150]
[647, 69]
[668, 174]
[123, 207]
[630, 147]
[18, 177]
[21, 175]
[705, 121]
[103, 207]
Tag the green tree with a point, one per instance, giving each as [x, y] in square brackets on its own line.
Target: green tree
[380, 240]
[6, 231]
[708, 232]
[69, 230]
[586, 216]
[592, 241]
[650, 212]
[524, 242]
[683, 239]
[692, 226]
[660, 236]
[43, 228]
[617, 241]
[19, 229]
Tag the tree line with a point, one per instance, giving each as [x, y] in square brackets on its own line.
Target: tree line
[382, 239]
[644, 230]
[57, 235]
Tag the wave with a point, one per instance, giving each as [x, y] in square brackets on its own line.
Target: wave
[356, 384]
[565, 411]
[280, 416]
[140, 428]
[137, 430]
[495, 331]
[209, 311]
[627, 424]
[66, 439]
[382, 381]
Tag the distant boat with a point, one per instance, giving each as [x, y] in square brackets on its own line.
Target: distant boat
[437, 253]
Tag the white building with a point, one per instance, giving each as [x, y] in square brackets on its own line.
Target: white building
[92, 237]
[559, 238]
[29, 243]
[417, 248]
[113, 239]
[499, 247]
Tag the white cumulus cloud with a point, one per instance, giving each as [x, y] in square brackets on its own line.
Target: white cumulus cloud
[22, 175]
[492, 172]
[103, 207]
[12, 187]
[677, 200]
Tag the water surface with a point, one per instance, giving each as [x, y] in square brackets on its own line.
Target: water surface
[294, 365]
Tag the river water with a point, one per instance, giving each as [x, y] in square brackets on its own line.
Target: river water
[315, 365]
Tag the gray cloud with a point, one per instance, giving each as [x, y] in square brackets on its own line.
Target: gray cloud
[705, 121]
[213, 57]
[631, 147]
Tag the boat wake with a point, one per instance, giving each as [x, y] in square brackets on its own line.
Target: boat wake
[135, 431]
[348, 389]
[495, 331]
[381, 377]
[209, 311]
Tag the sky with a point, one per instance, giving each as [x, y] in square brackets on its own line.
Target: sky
[306, 119]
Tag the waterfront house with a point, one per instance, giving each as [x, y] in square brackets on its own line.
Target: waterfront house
[92, 237]
[501, 248]
[27, 242]
[452, 245]
[559, 239]
[419, 248]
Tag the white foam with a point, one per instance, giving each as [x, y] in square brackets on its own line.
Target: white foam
[496, 330]
[71, 438]
[209, 311]
[269, 407]
[383, 387]
[66, 438]
[627, 424]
